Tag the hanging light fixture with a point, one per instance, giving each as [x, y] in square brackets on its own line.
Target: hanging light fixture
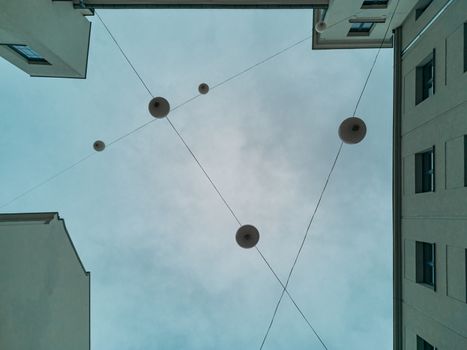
[98, 145]
[352, 130]
[159, 107]
[203, 88]
[247, 236]
[320, 26]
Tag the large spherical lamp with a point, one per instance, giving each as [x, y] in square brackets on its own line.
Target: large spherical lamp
[247, 236]
[352, 130]
[159, 107]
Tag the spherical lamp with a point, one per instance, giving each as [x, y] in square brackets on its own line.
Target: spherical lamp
[159, 107]
[247, 236]
[320, 26]
[352, 130]
[98, 145]
[203, 88]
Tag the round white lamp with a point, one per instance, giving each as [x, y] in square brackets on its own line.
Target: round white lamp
[320, 26]
[352, 130]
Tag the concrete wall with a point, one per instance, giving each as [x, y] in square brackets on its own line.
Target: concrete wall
[55, 30]
[339, 13]
[44, 289]
[438, 315]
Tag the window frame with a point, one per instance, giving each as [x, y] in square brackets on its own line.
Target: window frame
[421, 344]
[465, 47]
[421, 263]
[368, 5]
[353, 31]
[29, 59]
[465, 160]
[421, 7]
[422, 172]
[422, 93]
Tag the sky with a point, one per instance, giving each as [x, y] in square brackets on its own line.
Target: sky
[166, 272]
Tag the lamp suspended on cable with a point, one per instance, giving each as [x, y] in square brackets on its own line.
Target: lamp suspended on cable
[352, 130]
[247, 236]
[320, 26]
[203, 88]
[98, 145]
[159, 107]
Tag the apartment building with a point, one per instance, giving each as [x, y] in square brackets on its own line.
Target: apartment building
[44, 287]
[431, 178]
[429, 38]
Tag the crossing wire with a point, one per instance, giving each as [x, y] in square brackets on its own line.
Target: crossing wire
[118, 139]
[131, 132]
[202, 167]
[324, 188]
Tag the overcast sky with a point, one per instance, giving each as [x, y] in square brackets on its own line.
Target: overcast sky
[166, 270]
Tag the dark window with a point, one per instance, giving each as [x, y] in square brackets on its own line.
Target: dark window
[421, 7]
[425, 79]
[361, 28]
[465, 160]
[28, 53]
[425, 171]
[426, 263]
[374, 4]
[422, 344]
[465, 47]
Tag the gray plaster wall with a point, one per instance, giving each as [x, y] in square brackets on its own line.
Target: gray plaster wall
[44, 289]
[438, 315]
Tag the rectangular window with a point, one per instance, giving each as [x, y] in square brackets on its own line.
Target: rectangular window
[426, 263]
[421, 7]
[28, 53]
[361, 28]
[465, 161]
[422, 344]
[465, 47]
[425, 171]
[425, 78]
[372, 4]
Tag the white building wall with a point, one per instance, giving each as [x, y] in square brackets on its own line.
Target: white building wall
[44, 289]
[54, 29]
[437, 315]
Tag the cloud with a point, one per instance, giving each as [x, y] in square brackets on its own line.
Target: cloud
[166, 271]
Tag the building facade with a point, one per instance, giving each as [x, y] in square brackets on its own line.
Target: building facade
[429, 156]
[45, 38]
[44, 288]
[431, 179]
[429, 38]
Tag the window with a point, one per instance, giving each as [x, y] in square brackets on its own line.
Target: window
[425, 266]
[465, 47]
[421, 7]
[465, 161]
[28, 53]
[422, 344]
[374, 4]
[425, 171]
[361, 28]
[425, 79]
